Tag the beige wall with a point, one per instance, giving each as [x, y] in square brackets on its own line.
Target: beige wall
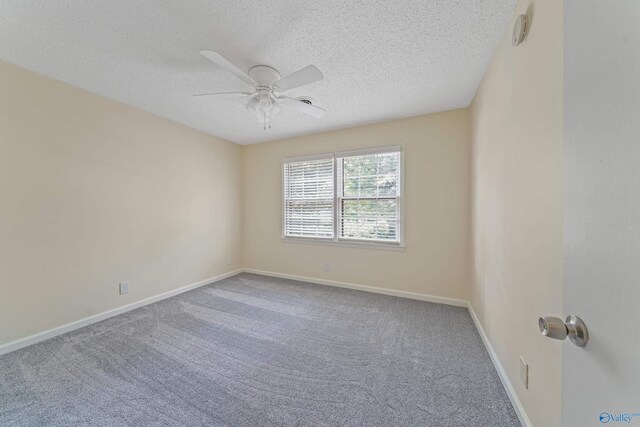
[92, 193]
[517, 205]
[437, 197]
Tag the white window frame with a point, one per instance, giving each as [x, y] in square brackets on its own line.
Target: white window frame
[336, 240]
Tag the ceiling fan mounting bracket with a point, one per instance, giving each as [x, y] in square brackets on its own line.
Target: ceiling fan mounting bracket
[264, 75]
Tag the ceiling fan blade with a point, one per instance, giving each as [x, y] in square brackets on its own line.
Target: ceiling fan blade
[223, 63]
[303, 107]
[224, 94]
[305, 76]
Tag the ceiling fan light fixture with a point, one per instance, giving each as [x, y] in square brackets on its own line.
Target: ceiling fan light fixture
[253, 103]
[266, 107]
[265, 103]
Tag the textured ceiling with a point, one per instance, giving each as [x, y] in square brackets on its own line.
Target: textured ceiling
[381, 59]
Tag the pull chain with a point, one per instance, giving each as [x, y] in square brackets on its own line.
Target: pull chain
[266, 120]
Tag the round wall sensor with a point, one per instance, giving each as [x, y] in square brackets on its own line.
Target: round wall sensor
[519, 30]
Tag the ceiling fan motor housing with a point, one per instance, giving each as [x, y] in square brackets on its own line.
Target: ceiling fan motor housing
[264, 75]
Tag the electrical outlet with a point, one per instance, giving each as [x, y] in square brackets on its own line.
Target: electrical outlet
[227, 261]
[124, 288]
[326, 267]
[524, 372]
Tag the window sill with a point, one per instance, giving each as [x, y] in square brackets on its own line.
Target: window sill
[397, 247]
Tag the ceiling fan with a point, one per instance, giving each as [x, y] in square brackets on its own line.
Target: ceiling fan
[268, 87]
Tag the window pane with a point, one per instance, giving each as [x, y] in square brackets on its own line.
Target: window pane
[308, 198]
[309, 180]
[309, 218]
[374, 175]
[369, 219]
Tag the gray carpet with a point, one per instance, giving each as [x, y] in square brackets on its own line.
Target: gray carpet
[257, 351]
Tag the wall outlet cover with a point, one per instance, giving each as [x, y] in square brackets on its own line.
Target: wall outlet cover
[124, 288]
[326, 267]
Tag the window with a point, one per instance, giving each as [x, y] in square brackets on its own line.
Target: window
[368, 193]
[350, 196]
[309, 198]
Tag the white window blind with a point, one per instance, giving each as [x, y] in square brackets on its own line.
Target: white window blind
[368, 196]
[347, 196]
[309, 198]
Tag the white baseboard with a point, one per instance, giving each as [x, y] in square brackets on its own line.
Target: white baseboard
[384, 291]
[517, 405]
[41, 336]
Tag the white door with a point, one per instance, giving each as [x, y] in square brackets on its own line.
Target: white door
[601, 382]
